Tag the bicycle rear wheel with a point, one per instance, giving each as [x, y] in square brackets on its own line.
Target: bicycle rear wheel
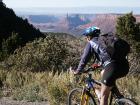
[76, 98]
[125, 101]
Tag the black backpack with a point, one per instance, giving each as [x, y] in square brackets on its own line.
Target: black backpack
[116, 47]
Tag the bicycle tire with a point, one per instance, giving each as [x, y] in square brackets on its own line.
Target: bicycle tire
[77, 92]
[125, 101]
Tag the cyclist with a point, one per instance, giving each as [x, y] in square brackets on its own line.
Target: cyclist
[112, 67]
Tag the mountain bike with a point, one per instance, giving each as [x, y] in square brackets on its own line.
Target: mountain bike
[87, 95]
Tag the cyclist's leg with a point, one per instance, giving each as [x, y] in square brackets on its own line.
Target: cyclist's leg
[112, 72]
[98, 88]
[106, 85]
[105, 91]
[98, 92]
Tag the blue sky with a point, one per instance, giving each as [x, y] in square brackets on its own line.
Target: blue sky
[18, 4]
[71, 3]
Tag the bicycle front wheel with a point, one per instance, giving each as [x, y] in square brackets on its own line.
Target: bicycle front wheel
[77, 97]
[125, 101]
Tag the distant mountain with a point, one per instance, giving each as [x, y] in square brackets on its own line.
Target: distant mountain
[75, 23]
[43, 18]
[59, 23]
[106, 22]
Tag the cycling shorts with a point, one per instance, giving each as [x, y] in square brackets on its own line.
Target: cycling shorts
[113, 71]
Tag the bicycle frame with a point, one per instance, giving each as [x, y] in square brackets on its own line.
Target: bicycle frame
[84, 98]
[86, 89]
[90, 82]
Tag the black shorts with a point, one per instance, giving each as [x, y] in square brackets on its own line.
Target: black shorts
[113, 71]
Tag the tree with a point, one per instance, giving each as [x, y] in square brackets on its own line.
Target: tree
[126, 25]
[128, 29]
[10, 23]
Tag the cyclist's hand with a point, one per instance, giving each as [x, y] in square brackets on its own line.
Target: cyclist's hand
[75, 72]
[95, 66]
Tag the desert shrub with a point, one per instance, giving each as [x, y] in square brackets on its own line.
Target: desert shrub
[40, 55]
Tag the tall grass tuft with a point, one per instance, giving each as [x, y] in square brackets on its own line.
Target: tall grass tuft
[58, 88]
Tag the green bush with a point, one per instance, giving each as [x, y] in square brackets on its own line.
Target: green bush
[52, 53]
[40, 55]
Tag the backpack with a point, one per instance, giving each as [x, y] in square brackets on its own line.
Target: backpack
[116, 47]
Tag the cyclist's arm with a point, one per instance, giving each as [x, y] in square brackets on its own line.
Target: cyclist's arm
[87, 54]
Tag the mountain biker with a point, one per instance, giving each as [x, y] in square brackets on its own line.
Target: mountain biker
[113, 68]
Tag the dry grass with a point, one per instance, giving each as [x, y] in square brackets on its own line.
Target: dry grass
[130, 86]
[53, 87]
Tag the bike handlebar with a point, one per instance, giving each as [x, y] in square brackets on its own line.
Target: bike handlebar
[88, 70]
[91, 68]
[90, 76]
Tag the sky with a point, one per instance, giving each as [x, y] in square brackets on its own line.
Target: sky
[70, 3]
[23, 4]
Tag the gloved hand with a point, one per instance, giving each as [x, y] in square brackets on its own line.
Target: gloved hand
[75, 71]
[95, 66]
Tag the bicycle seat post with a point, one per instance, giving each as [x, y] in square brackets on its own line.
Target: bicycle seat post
[90, 76]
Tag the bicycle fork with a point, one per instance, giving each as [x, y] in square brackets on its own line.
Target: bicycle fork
[84, 98]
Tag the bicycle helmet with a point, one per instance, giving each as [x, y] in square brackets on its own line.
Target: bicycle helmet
[92, 31]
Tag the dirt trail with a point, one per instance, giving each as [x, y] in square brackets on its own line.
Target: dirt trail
[9, 101]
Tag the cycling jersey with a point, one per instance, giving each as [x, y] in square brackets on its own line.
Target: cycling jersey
[91, 48]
